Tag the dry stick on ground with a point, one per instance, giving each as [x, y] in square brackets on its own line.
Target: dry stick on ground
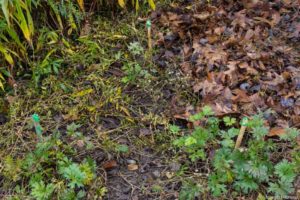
[133, 187]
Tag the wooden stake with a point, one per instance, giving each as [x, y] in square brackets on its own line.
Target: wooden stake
[148, 25]
[241, 133]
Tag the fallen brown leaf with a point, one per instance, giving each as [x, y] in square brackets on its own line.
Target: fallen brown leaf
[132, 167]
[110, 164]
[277, 131]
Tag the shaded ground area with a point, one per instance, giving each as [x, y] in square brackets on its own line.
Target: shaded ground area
[238, 58]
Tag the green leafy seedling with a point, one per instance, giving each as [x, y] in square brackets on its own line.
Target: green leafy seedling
[229, 121]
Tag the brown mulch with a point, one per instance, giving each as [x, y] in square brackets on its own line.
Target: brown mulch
[241, 57]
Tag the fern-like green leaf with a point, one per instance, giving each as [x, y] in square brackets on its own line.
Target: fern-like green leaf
[41, 191]
[285, 170]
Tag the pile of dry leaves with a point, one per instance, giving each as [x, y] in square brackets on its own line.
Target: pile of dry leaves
[242, 57]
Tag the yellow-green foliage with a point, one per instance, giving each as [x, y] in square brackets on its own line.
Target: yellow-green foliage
[23, 24]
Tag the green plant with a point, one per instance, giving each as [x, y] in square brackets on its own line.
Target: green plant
[23, 46]
[122, 148]
[72, 130]
[194, 144]
[133, 71]
[190, 190]
[244, 169]
[50, 170]
[40, 191]
[73, 174]
[285, 172]
[135, 48]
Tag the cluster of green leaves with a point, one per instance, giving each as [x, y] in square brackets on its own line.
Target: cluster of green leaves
[24, 25]
[195, 143]
[135, 48]
[50, 170]
[133, 71]
[248, 168]
[23, 28]
[190, 190]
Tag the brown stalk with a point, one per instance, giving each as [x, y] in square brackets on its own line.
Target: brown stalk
[240, 137]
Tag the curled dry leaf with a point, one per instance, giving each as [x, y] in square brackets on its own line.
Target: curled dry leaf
[277, 131]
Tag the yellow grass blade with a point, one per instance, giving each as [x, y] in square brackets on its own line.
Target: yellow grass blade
[152, 4]
[81, 4]
[122, 3]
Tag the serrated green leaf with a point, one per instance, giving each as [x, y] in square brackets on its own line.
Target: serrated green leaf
[174, 129]
[190, 141]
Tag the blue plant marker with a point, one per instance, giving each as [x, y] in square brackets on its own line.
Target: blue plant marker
[244, 121]
[36, 123]
[148, 24]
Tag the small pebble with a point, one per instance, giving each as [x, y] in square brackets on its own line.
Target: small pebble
[298, 86]
[203, 41]
[161, 63]
[245, 86]
[175, 166]
[287, 102]
[194, 58]
[156, 174]
[255, 88]
[286, 17]
[170, 38]
[129, 161]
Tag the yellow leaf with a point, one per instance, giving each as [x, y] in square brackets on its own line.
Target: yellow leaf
[83, 93]
[122, 3]
[7, 56]
[125, 111]
[137, 5]
[152, 4]
[260, 197]
[1, 85]
[91, 108]
[81, 4]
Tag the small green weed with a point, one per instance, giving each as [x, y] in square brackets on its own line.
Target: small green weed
[41, 191]
[245, 169]
[50, 169]
[133, 71]
[190, 190]
[135, 48]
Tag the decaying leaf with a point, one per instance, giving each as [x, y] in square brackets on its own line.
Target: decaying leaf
[238, 60]
[110, 164]
[277, 131]
[132, 167]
